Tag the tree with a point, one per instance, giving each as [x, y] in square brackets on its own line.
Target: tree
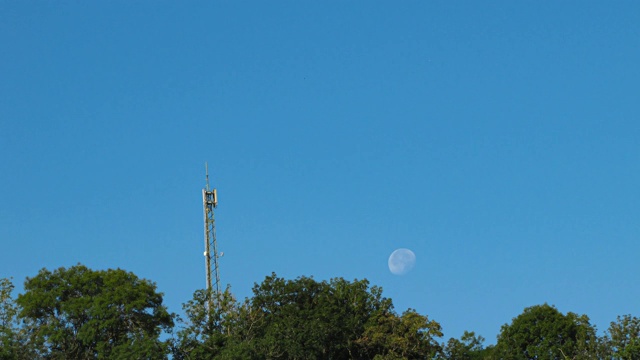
[469, 347]
[10, 345]
[410, 336]
[78, 313]
[7, 316]
[305, 319]
[210, 328]
[623, 338]
[542, 332]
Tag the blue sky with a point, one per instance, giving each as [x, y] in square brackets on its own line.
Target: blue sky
[496, 140]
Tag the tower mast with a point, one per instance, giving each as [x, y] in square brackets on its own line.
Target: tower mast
[210, 202]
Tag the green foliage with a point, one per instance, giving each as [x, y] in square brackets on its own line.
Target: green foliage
[339, 319]
[305, 319]
[7, 306]
[210, 326]
[543, 333]
[9, 341]
[78, 313]
[469, 347]
[623, 338]
[410, 336]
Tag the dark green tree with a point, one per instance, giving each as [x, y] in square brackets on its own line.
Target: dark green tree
[79, 313]
[543, 333]
[623, 338]
[305, 319]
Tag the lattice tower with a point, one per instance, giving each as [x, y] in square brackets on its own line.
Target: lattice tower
[210, 202]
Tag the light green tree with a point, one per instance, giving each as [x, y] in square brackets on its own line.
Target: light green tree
[9, 334]
[623, 338]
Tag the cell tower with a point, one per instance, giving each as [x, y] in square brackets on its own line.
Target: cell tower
[210, 202]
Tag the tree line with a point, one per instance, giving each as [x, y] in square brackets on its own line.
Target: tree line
[80, 313]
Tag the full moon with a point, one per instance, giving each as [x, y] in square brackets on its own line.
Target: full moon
[401, 261]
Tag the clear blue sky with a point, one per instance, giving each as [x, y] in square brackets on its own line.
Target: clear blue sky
[500, 141]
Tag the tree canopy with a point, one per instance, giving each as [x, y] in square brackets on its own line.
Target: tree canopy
[79, 313]
[623, 338]
[469, 347]
[306, 319]
[543, 332]
[9, 334]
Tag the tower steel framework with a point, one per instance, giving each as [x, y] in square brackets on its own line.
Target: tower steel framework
[210, 202]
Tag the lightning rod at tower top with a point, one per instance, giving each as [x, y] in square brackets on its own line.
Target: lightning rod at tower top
[211, 255]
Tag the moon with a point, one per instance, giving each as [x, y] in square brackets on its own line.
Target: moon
[402, 261]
